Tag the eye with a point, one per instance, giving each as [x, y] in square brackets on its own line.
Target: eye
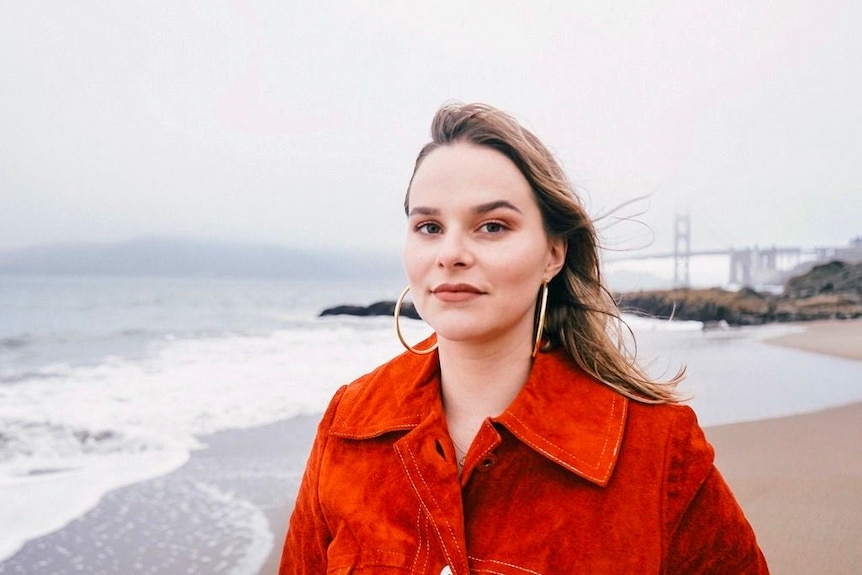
[493, 227]
[428, 228]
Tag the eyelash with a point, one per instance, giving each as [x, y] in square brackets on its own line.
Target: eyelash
[500, 225]
[423, 227]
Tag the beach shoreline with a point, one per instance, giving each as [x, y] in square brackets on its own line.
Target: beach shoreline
[224, 511]
[839, 338]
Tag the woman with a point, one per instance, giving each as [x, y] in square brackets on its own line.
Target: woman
[522, 437]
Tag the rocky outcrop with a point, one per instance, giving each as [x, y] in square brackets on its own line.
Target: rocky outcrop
[828, 291]
[377, 308]
[828, 279]
[745, 307]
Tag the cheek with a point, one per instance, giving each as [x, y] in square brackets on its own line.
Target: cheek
[414, 260]
[523, 265]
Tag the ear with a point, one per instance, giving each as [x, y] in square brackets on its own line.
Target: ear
[556, 256]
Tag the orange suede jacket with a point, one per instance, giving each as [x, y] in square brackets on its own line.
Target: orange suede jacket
[571, 478]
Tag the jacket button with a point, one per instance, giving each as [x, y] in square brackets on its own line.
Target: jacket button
[446, 571]
[487, 462]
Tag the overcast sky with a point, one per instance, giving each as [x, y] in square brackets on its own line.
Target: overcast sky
[297, 123]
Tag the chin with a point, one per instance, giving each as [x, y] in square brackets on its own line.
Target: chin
[457, 332]
[467, 332]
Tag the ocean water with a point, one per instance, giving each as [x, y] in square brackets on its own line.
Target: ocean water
[106, 382]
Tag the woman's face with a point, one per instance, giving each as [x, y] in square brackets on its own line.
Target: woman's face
[476, 251]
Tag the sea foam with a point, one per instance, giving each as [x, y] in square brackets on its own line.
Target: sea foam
[78, 432]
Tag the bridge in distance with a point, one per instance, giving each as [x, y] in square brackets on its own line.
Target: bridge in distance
[747, 266]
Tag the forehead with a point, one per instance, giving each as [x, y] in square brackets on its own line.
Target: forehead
[465, 171]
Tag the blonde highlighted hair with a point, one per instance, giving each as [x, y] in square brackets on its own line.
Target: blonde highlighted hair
[582, 316]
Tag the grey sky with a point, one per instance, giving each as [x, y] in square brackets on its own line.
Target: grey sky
[297, 123]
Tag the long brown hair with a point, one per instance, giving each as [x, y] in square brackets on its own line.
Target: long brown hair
[582, 316]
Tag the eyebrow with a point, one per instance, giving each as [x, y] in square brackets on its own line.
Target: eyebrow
[480, 209]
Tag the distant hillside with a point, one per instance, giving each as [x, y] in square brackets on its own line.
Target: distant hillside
[176, 257]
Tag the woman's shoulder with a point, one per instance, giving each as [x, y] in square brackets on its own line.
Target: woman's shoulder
[663, 413]
[672, 429]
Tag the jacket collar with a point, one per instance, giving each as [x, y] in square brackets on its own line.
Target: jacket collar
[561, 412]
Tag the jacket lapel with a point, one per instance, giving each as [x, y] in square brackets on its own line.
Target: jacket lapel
[569, 417]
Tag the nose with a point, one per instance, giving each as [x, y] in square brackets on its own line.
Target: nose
[454, 251]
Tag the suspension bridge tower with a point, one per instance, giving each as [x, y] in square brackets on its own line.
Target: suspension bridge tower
[681, 250]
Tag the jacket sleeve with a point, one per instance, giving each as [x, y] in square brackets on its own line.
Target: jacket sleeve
[705, 528]
[307, 533]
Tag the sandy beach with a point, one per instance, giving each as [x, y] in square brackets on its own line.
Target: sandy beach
[799, 480]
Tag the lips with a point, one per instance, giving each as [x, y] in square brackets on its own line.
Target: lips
[456, 292]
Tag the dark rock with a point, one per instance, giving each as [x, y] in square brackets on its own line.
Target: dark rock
[832, 278]
[377, 308]
[712, 306]
[828, 291]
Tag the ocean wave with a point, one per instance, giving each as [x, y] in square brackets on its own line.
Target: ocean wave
[41, 503]
[66, 422]
[13, 377]
[643, 324]
[46, 444]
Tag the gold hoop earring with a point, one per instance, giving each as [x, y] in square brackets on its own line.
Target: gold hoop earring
[543, 306]
[398, 327]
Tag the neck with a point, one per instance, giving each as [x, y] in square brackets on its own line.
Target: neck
[480, 382]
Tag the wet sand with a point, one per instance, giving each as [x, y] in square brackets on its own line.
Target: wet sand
[838, 338]
[205, 518]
